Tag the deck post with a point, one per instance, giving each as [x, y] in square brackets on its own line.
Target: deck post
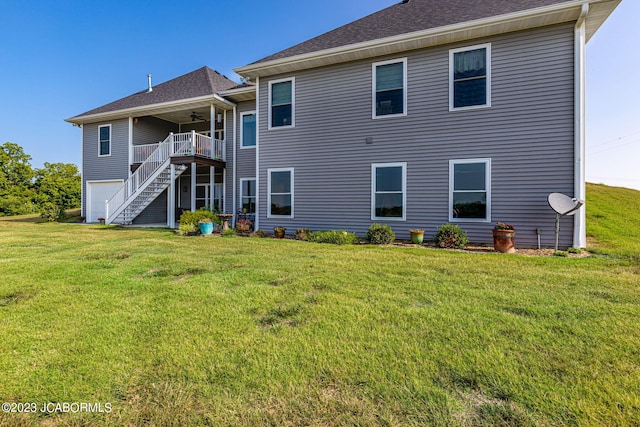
[171, 199]
[193, 187]
[193, 142]
[212, 184]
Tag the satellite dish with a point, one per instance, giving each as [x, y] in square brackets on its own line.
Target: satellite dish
[563, 205]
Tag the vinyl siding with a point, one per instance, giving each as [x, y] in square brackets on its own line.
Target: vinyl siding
[115, 166]
[527, 134]
[246, 157]
[155, 213]
[228, 172]
[151, 130]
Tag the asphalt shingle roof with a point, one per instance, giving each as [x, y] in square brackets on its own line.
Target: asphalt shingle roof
[406, 17]
[201, 82]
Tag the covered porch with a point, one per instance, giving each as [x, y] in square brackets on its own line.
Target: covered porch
[196, 137]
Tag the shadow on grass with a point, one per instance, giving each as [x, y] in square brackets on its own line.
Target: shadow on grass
[72, 216]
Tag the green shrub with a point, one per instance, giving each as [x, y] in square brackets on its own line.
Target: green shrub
[561, 254]
[574, 250]
[451, 236]
[380, 234]
[229, 232]
[189, 218]
[260, 233]
[51, 212]
[337, 237]
[186, 229]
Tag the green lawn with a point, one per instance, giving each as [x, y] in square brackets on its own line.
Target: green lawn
[234, 331]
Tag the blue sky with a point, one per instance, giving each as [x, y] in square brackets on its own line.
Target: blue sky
[62, 58]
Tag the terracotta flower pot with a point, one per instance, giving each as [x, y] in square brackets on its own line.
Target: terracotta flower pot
[504, 241]
[242, 227]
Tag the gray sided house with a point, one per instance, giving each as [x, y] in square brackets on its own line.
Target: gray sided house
[424, 113]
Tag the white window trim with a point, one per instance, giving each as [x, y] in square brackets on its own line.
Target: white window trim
[110, 140]
[242, 196]
[374, 91]
[293, 103]
[487, 181]
[374, 166]
[486, 46]
[242, 146]
[269, 171]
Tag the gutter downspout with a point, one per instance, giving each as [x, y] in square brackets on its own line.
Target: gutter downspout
[235, 142]
[580, 219]
[256, 225]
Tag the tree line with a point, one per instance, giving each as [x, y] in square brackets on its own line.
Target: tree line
[23, 190]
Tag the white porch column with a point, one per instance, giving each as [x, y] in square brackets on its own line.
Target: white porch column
[212, 122]
[193, 187]
[171, 199]
[130, 143]
[212, 183]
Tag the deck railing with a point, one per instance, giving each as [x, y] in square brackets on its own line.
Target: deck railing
[184, 144]
[142, 152]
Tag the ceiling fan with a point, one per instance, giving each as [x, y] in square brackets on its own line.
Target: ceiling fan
[195, 116]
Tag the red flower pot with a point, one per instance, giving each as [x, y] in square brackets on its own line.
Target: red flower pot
[504, 241]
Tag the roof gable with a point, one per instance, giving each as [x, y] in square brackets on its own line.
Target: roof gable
[201, 82]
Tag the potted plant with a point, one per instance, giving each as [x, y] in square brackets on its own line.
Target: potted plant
[417, 236]
[206, 226]
[279, 232]
[243, 225]
[504, 238]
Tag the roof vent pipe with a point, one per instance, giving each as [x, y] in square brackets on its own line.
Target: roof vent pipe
[150, 87]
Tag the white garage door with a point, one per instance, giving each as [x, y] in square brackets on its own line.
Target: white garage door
[97, 193]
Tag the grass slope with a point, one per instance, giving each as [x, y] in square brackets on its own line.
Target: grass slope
[234, 331]
[613, 219]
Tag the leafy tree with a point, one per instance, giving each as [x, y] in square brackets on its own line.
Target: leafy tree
[16, 175]
[23, 190]
[58, 184]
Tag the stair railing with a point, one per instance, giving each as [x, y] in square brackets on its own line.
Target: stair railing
[139, 178]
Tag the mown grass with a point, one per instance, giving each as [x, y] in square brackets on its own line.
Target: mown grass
[613, 215]
[237, 331]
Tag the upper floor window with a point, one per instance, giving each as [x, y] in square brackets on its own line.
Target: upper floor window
[470, 190]
[104, 140]
[282, 103]
[470, 77]
[389, 88]
[248, 130]
[388, 184]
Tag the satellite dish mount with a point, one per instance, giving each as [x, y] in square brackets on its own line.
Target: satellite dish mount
[563, 205]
